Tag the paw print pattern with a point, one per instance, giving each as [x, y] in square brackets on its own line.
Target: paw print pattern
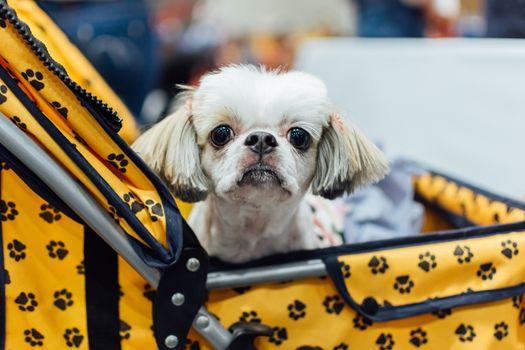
[378, 265]
[3, 91]
[26, 302]
[131, 200]
[241, 290]
[521, 316]
[249, 317]
[33, 337]
[81, 268]
[509, 249]
[442, 313]
[296, 310]
[124, 330]
[404, 284]
[2, 23]
[16, 250]
[62, 110]
[57, 249]
[427, 261]
[463, 254]
[486, 271]
[34, 78]
[516, 301]
[7, 278]
[192, 345]
[7, 210]
[79, 139]
[149, 292]
[465, 333]
[19, 123]
[345, 269]
[333, 304]
[385, 341]
[341, 346]
[119, 161]
[501, 330]
[361, 322]
[63, 299]
[278, 336]
[155, 209]
[49, 213]
[418, 337]
[73, 337]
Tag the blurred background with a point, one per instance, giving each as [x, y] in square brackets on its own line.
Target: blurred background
[436, 81]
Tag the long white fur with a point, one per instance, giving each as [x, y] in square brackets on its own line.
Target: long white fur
[238, 222]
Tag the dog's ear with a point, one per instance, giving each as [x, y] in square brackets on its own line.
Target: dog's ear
[170, 148]
[346, 160]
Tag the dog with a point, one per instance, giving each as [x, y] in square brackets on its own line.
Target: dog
[250, 145]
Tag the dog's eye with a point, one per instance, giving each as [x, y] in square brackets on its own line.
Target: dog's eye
[299, 138]
[221, 135]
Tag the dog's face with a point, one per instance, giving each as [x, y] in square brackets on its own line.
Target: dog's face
[250, 135]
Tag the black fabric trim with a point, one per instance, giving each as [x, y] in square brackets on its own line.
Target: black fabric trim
[2, 280]
[380, 314]
[36, 185]
[157, 255]
[102, 293]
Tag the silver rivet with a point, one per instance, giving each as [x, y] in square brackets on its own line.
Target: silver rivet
[202, 322]
[178, 299]
[171, 341]
[193, 264]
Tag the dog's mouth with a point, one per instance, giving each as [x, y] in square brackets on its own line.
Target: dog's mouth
[260, 174]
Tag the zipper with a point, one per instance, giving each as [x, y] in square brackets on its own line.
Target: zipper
[110, 116]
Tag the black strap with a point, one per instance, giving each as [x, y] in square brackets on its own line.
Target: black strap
[102, 293]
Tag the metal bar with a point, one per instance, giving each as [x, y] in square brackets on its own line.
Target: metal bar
[270, 274]
[81, 202]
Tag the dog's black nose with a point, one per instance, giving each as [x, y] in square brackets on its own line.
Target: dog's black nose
[261, 142]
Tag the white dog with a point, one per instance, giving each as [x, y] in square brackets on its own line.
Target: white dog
[250, 144]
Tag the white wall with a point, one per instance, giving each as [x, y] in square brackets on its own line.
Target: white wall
[457, 105]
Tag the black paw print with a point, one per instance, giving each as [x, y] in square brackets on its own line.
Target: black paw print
[192, 345]
[385, 341]
[241, 290]
[73, 337]
[33, 337]
[34, 78]
[345, 269]
[16, 250]
[341, 346]
[427, 261]
[119, 161]
[442, 313]
[403, 284]
[3, 91]
[296, 310]
[60, 109]
[333, 304]
[19, 123]
[2, 23]
[49, 213]
[120, 292]
[57, 249]
[7, 278]
[131, 200]
[501, 330]
[521, 317]
[361, 322]
[465, 333]
[278, 336]
[149, 292]
[124, 330]
[77, 137]
[7, 210]
[509, 248]
[249, 317]
[378, 264]
[81, 268]
[464, 254]
[486, 271]
[516, 301]
[63, 299]
[155, 209]
[26, 302]
[418, 337]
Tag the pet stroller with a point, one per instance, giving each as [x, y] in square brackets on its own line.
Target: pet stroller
[96, 253]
